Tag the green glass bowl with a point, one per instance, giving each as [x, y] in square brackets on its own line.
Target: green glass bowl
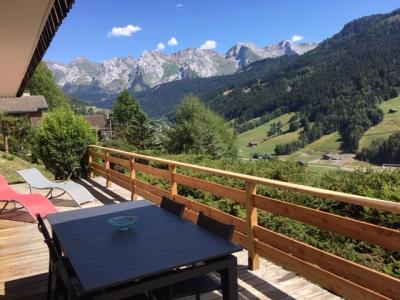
[123, 223]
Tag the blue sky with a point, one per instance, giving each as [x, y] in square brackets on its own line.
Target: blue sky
[102, 29]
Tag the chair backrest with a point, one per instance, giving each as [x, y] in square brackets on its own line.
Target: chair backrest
[221, 229]
[172, 206]
[56, 260]
[34, 178]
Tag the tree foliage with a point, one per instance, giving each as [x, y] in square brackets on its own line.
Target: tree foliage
[294, 126]
[382, 151]
[130, 122]
[275, 129]
[43, 83]
[61, 142]
[15, 131]
[199, 130]
[285, 149]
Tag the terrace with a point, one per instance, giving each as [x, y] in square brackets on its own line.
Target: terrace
[271, 267]
[24, 256]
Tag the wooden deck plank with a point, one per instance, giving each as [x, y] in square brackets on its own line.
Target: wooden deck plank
[24, 260]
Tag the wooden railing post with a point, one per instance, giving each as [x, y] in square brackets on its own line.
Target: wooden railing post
[252, 221]
[107, 167]
[132, 174]
[173, 184]
[90, 160]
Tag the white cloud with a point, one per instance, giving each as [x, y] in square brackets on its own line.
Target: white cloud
[160, 46]
[210, 44]
[127, 31]
[172, 42]
[179, 5]
[297, 38]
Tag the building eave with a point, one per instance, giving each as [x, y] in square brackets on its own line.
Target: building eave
[56, 16]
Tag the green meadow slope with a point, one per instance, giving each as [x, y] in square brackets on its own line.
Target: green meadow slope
[259, 135]
[313, 152]
[389, 125]
[327, 143]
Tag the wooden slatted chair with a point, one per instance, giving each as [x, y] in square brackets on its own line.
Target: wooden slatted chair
[202, 284]
[65, 283]
[172, 206]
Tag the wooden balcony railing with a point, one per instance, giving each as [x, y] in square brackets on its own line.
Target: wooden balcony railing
[344, 277]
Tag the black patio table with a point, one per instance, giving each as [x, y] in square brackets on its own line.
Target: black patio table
[142, 259]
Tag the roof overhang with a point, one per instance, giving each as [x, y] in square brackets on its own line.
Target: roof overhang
[26, 30]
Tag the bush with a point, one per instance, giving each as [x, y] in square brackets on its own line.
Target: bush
[119, 143]
[382, 151]
[8, 157]
[294, 126]
[199, 130]
[285, 149]
[61, 142]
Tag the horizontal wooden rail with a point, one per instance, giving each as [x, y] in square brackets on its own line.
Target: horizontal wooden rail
[364, 276]
[342, 276]
[98, 155]
[240, 225]
[149, 196]
[98, 169]
[152, 171]
[151, 188]
[213, 188]
[118, 175]
[119, 161]
[374, 234]
[120, 183]
[328, 280]
[384, 205]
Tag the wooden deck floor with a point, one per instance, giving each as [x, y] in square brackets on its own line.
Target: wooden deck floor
[24, 258]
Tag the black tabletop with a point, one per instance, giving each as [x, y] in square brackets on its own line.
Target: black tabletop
[103, 256]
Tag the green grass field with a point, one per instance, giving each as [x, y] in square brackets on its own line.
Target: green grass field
[312, 153]
[329, 142]
[259, 135]
[9, 164]
[389, 125]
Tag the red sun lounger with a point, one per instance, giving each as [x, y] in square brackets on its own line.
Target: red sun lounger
[33, 203]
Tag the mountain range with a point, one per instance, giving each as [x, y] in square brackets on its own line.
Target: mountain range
[99, 83]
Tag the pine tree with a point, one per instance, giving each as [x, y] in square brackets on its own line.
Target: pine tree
[200, 130]
[43, 83]
[130, 122]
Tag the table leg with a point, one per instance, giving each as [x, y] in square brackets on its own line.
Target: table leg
[229, 277]
[56, 243]
[49, 283]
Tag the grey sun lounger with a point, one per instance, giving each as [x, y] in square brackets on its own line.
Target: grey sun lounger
[36, 180]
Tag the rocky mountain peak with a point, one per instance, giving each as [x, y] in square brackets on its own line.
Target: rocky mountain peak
[80, 60]
[156, 67]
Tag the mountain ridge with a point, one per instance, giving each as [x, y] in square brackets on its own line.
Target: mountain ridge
[95, 81]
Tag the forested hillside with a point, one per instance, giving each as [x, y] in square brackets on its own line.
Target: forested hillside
[163, 99]
[337, 86]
